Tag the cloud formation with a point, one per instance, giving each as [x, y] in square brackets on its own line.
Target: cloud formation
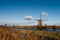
[28, 17]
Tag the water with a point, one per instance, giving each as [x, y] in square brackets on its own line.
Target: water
[52, 30]
[47, 30]
[26, 28]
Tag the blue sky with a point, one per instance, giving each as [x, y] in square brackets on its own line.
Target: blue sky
[14, 10]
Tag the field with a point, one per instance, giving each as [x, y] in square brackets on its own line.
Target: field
[7, 33]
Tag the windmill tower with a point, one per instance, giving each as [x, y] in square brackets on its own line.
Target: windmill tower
[40, 22]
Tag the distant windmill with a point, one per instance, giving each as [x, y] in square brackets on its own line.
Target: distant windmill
[40, 20]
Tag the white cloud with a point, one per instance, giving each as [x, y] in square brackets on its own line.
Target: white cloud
[28, 17]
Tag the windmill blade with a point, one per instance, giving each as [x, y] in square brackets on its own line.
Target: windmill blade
[44, 20]
[44, 14]
[35, 19]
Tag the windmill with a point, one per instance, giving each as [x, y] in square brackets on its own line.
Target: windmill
[40, 20]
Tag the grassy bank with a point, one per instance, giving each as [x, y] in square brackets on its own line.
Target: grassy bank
[7, 33]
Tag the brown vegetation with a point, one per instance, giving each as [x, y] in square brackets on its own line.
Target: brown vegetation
[6, 33]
